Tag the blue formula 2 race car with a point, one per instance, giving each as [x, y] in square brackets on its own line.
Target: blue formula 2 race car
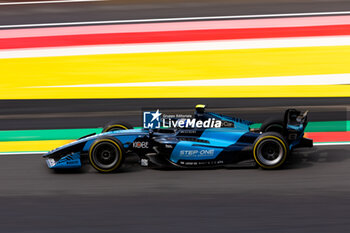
[233, 144]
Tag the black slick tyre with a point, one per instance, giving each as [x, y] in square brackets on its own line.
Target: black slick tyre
[116, 126]
[273, 125]
[270, 150]
[106, 155]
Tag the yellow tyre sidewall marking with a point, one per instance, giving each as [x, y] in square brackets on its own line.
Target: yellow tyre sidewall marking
[284, 156]
[92, 161]
[114, 126]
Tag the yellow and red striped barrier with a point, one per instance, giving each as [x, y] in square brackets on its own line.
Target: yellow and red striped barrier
[282, 57]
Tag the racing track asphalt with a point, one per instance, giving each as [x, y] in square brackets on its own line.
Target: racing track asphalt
[90, 113]
[312, 194]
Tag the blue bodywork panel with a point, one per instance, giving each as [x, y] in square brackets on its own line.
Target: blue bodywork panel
[188, 151]
[222, 137]
[218, 139]
[68, 161]
[238, 123]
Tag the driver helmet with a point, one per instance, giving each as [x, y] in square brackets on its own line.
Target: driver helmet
[200, 109]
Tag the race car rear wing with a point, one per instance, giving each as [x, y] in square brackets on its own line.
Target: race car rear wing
[295, 124]
[295, 120]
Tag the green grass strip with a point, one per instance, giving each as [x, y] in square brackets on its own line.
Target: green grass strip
[69, 134]
[46, 134]
[328, 126]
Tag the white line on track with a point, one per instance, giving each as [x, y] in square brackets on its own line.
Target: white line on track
[176, 46]
[331, 143]
[177, 19]
[178, 26]
[24, 153]
[46, 2]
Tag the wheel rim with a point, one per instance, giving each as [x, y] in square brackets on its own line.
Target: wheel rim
[270, 152]
[105, 155]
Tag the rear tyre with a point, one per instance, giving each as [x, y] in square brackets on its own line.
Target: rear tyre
[270, 150]
[273, 125]
[106, 155]
[116, 126]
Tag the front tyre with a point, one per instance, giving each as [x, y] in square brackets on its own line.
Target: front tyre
[112, 126]
[106, 155]
[270, 150]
